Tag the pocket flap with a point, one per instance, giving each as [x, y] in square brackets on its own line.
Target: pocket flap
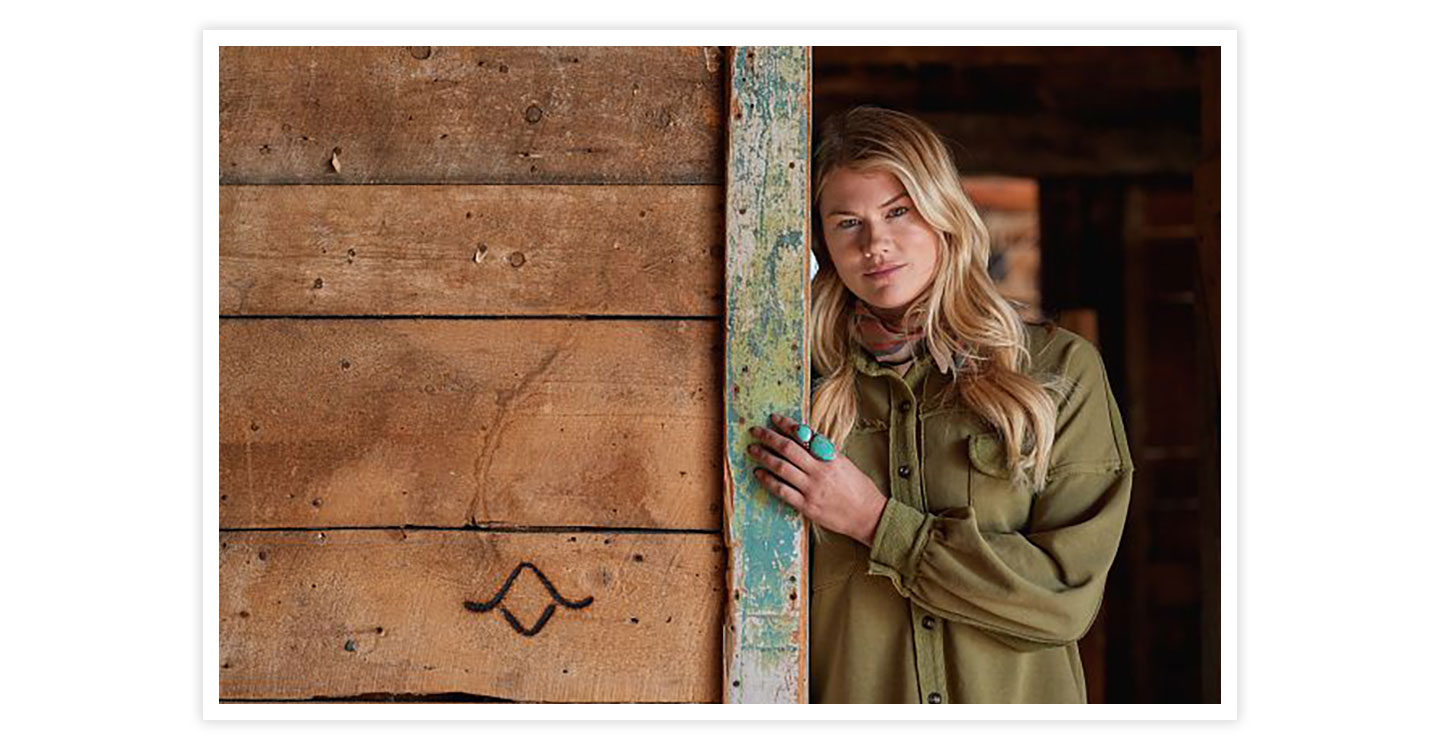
[987, 454]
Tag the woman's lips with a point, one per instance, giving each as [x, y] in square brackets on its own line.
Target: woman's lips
[885, 273]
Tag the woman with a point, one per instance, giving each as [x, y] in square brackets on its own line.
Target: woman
[964, 531]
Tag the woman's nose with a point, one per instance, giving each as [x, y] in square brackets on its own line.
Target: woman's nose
[876, 241]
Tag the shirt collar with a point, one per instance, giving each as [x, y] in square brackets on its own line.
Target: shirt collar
[865, 362]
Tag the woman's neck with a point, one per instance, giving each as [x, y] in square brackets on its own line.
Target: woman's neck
[892, 318]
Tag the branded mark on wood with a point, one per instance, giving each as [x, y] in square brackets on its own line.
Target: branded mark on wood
[549, 608]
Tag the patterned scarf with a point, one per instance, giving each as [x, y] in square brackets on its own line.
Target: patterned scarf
[888, 342]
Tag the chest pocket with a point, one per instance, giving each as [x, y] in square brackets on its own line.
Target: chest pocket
[965, 466]
[944, 446]
[999, 505]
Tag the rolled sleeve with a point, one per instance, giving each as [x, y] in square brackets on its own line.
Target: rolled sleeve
[899, 540]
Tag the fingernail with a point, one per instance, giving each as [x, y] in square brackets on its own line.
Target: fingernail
[755, 431]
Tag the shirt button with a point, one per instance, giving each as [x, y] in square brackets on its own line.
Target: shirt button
[905, 471]
[934, 698]
[904, 406]
[928, 622]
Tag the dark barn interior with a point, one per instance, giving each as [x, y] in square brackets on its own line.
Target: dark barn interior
[1123, 145]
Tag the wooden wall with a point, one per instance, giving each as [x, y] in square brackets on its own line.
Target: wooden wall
[470, 389]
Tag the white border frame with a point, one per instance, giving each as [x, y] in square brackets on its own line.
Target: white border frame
[1227, 40]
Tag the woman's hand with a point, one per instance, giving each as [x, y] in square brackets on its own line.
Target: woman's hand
[834, 494]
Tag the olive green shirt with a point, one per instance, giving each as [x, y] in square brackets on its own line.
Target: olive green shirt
[974, 590]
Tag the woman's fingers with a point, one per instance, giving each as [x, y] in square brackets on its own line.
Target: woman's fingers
[784, 446]
[779, 466]
[786, 424]
[785, 463]
[785, 492]
[791, 428]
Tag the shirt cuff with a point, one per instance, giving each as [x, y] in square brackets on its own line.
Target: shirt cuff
[899, 537]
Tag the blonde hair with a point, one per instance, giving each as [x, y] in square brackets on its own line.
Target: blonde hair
[968, 325]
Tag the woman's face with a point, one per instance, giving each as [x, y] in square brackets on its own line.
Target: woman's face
[885, 253]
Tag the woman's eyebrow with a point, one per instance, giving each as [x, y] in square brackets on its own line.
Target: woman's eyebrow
[882, 205]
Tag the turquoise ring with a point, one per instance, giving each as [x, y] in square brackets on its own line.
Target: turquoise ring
[818, 445]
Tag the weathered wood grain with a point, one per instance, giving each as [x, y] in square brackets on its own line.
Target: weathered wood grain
[375, 422]
[340, 613]
[766, 368]
[327, 115]
[504, 250]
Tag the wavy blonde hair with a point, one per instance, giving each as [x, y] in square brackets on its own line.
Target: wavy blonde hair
[966, 320]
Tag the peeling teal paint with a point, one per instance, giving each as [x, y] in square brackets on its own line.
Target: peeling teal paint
[767, 277]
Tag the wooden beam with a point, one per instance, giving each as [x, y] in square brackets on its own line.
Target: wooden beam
[1149, 58]
[1058, 146]
[324, 613]
[1039, 112]
[349, 115]
[766, 368]
[1113, 90]
[471, 250]
[455, 422]
[1207, 225]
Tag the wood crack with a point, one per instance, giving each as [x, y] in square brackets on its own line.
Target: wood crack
[504, 415]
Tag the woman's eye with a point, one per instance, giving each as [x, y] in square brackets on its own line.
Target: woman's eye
[894, 212]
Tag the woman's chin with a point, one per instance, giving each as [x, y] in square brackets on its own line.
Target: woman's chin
[887, 300]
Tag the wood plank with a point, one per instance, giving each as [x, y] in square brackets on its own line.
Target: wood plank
[1114, 89]
[455, 250]
[331, 115]
[766, 368]
[1129, 630]
[375, 422]
[1149, 60]
[1059, 145]
[1042, 112]
[1207, 245]
[307, 614]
